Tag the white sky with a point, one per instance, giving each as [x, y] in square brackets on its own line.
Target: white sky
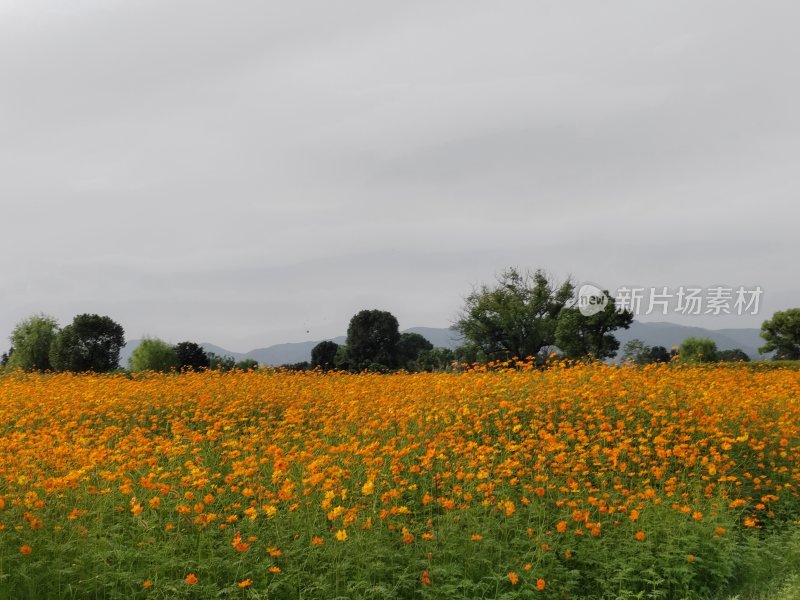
[250, 173]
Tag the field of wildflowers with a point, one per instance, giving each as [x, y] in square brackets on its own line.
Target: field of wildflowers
[575, 482]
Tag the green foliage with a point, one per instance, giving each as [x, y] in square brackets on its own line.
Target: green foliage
[659, 354]
[735, 355]
[342, 360]
[580, 336]
[636, 351]
[220, 363]
[6, 357]
[153, 354]
[89, 343]
[782, 334]
[323, 355]
[247, 364]
[409, 348]
[298, 366]
[31, 340]
[698, 350]
[191, 356]
[372, 338]
[517, 317]
[435, 359]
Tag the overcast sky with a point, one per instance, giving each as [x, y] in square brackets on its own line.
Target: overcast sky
[250, 173]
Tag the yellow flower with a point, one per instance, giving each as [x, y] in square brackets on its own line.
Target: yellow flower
[341, 535]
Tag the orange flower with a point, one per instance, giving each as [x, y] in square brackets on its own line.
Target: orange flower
[191, 579]
[147, 584]
[245, 583]
[425, 577]
[540, 584]
[475, 537]
[274, 569]
[640, 536]
[561, 526]
[513, 578]
[25, 549]
[317, 541]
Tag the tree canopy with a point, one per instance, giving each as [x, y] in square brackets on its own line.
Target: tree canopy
[90, 343]
[31, 340]
[372, 338]
[153, 354]
[782, 334]
[579, 335]
[516, 317]
[191, 356]
[409, 347]
[323, 355]
[698, 350]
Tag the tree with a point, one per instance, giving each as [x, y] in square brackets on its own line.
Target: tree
[323, 355]
[659, 354]
[191, 356]
[409, 348]
[517, 317]
[636, 351]
[298, 366]
[435, 359]
[342, 360]
[580, 336]
[247, 364]
[31, 340]
[782, 334]
[735, 355]
[6, 357]
[220, 363]
[698, 350]
[372, 340]
[153, 354]
[90, 343]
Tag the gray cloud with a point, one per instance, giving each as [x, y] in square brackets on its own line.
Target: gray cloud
[248, 173]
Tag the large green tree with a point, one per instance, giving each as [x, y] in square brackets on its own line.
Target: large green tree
[582, 336]
[191, 356]
[698, 350]
[31, 340]
[782, 334]
[516, 317]
[89, 343]
[153, 354]
[323, 355]
[372, 338]
[409, 347]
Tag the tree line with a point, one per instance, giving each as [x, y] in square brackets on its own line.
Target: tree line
[524, 315]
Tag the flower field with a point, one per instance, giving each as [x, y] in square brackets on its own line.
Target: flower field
[575, 482]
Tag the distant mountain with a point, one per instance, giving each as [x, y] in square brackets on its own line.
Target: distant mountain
[652, 334]
[670, 334]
